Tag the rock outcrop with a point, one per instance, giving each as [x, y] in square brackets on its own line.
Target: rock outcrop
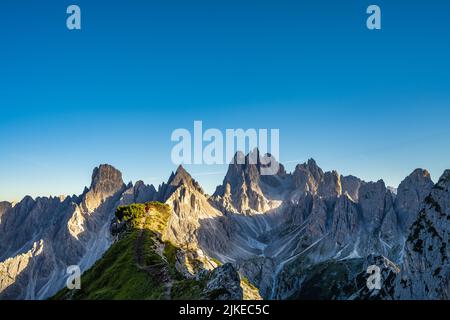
[224, 283]
[426, 266]
[411, 194]
[246, 190]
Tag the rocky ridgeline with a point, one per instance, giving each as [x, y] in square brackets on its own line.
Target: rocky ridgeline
[272, 229]
[40, 237]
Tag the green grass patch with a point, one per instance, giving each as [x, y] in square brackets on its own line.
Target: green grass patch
[116, 276]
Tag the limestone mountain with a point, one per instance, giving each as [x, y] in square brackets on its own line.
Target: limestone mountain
[282, 232]
[140, 264]
[245, 190]
[40, 237]
[426, 265]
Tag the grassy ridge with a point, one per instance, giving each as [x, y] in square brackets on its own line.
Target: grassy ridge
[141, 266]
[116, 275]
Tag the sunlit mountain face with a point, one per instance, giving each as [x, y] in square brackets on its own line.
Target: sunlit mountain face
[215, 112]
[279, 235]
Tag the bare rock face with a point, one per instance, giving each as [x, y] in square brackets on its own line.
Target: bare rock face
[426, 266]
[276, 230]
[391, 235]
[372, 199]
[323, 216]
[138, 193]
[106, 182]
[307, 177]
[224, 283]
[410, 196]
[245, 190]
[4, 206]
[40, 238]
[345, 221]
[330, 186]
[351, 186]
[191, 211]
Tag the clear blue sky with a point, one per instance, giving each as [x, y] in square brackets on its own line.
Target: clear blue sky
[375, 104]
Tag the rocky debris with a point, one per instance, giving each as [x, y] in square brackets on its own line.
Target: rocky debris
[224, 283]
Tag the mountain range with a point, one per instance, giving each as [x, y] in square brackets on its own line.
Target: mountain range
[307, 234]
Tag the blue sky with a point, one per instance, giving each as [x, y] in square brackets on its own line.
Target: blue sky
[375, 104]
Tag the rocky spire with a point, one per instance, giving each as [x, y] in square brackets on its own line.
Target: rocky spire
[177, 179]
[248, 169]
[330, 185]
[245, 189]
[138, 193]
[307, 176]
[410, 195]
[351, 186]
[106, 182]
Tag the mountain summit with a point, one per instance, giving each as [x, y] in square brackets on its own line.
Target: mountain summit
[281, 232]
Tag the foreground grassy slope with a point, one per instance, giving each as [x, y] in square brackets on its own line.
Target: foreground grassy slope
[141, 266]
[134, 268]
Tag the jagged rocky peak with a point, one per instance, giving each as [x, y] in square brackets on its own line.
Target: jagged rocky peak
[138, 193]
[235, 177]
[247, 169]
[106, 180]
[181, 176]
[178, 179]
[444, 181]
[5, 205]
[310, 178]
[426, 265]
[192, 217]
[247, 188]
[307, 176]
[330, 186]
[351, 185]
[410, 195]
[143, 191]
